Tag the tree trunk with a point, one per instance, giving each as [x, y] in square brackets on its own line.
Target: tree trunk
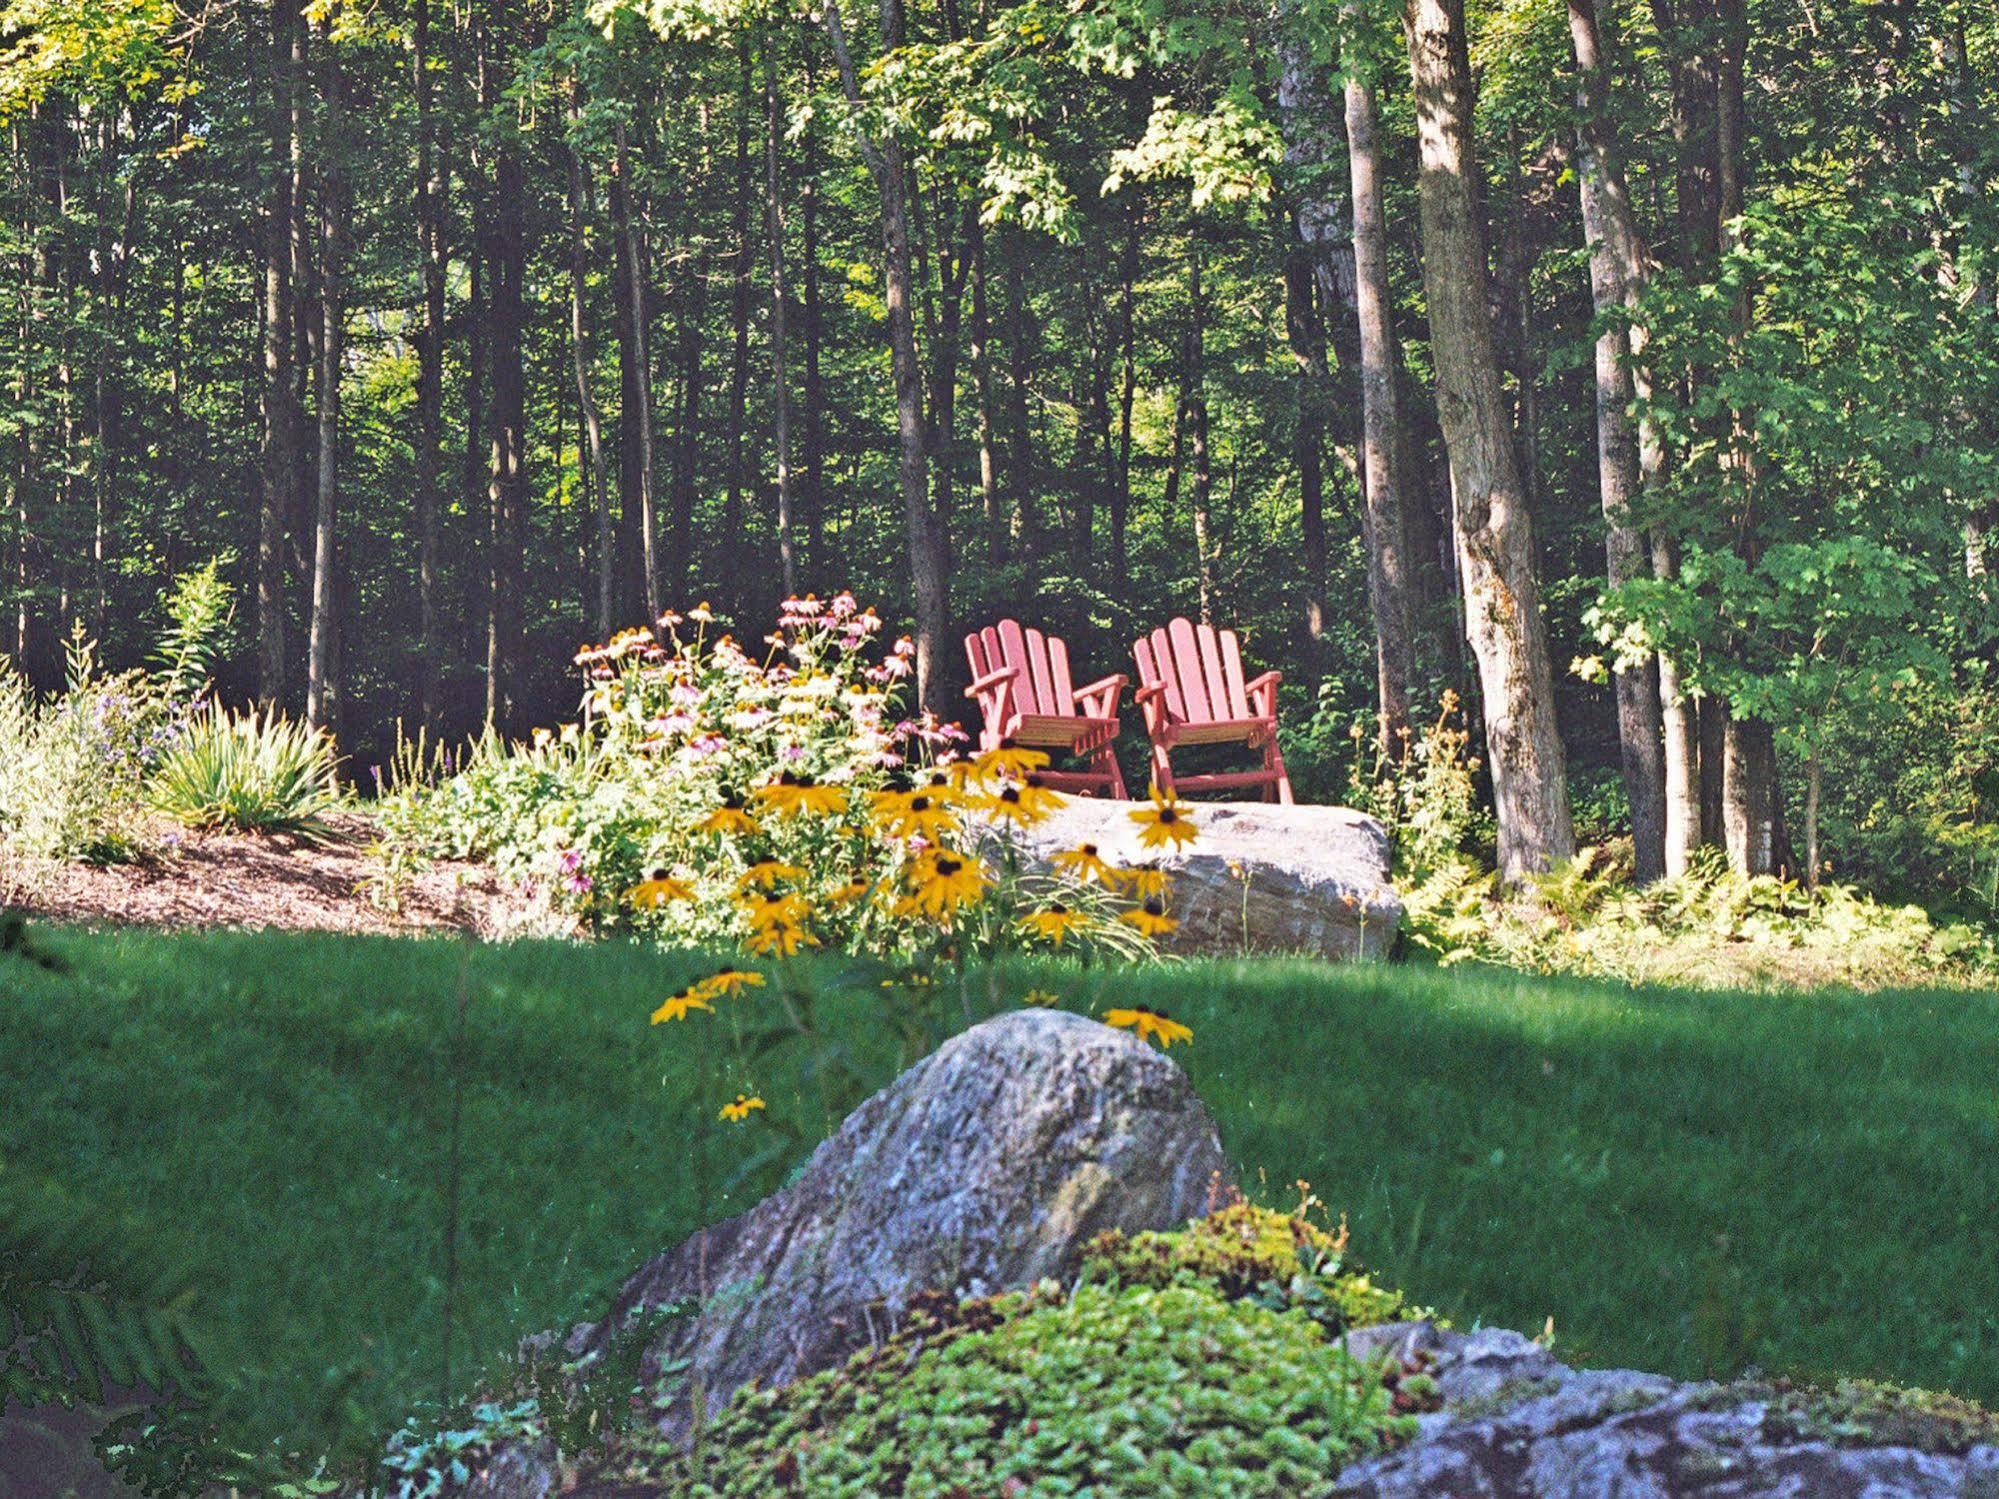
[1749, 810]
[280, 413]
[429, 382]
[635, 432]
[596, 486]
[1201, 487]
[780, 314]
[1127, 394]
[1020, 379]
[812, 499]
[506, 472]
[1495, 541]
[927, 552]
[1308, 433]
[1616, 262]
[1380, 362]
[982, 384]
[322, 703]
[739, 309]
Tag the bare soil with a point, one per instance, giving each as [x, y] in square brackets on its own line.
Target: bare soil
[191, 879]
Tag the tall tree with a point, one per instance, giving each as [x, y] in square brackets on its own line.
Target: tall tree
[322, 688]
[431, 255]
[1617, 269]
[780, 318]
[1380, 366]
[1495, 541]
[923, 531]
[583, 360]
[280, 412]
[506, 468]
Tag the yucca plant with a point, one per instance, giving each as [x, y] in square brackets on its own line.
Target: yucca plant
[254, 772]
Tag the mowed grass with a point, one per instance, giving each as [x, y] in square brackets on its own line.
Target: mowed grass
[1685, 1182]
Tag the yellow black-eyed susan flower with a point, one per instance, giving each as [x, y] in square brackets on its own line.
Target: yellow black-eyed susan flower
[765, 873]
[1084, 862]
[1054, 923]
[659, 890]
[778, 939]
[1041, 998]
[922, 813]
[847, 894]
[1009, 762]
[742, 1108]
[944, 880]
[1150, 918]
[729, 819]
[1023, 803]
[680, 1006]
[775, 907]
[1150, 1025]
[791, 794]
[728, 981]
[1166, 823]
[1144, 882]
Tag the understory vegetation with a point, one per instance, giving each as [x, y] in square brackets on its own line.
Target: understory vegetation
[1687, 1181]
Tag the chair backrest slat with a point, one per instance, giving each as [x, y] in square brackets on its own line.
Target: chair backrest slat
[1165, 676]
[1238, 690]
[1211, 672]
[1039, 672]
[1186, 657]
[1059, 681]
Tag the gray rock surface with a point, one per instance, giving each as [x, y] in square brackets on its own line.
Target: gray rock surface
[1517, 1424]
[987, 1165]
[1261, 878]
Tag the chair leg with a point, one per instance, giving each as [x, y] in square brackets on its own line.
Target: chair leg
[1279, 790]
[1162, 769]
[1114, 775]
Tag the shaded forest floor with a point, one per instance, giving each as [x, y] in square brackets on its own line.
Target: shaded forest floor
[253, 881]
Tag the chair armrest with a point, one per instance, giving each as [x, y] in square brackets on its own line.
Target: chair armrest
[1265, 687]
[1105, 693]
[1151, 694]
[992, 679]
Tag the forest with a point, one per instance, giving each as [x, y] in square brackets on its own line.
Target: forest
[1624, 371]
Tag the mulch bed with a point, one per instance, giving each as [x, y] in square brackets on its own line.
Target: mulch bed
[190, 879]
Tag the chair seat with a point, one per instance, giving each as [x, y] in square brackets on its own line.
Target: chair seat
[1250, 731]
[1037, 729]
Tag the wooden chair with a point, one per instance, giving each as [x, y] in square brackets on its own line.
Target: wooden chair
[1191, 688]
[1020, 678]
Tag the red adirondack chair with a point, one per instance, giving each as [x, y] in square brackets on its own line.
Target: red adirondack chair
[1191, 688]
[1020, 678]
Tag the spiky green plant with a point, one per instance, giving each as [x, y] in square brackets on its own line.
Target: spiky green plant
[253, 772]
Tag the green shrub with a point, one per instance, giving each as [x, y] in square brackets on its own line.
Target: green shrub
[199, 610]
[1139, 1389]
[253, 772]
[72, 766]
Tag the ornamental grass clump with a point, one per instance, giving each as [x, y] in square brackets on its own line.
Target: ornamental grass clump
[254, 772]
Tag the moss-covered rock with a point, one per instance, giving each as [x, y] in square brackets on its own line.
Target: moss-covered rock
[1861, 1413]
[1101, 1389]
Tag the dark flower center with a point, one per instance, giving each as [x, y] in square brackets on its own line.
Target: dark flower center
[919, 804]
[1011, 795]
[949, 867]
[1167, 814]
[1155, 907]
[1058, 909]
[1089, 850]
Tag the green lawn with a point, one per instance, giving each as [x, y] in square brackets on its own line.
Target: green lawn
[1682, 1181]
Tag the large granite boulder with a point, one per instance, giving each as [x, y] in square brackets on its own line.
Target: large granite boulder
[1517, 1424]
[987, 1165]
[1261, 877]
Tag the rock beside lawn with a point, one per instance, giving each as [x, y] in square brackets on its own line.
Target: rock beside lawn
[1517, 1424]
[1261, 878]
[986, 1166]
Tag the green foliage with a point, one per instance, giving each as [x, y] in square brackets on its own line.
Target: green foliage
[1710, 926]
[249, 772]
[1427, 796]
[72, 767]
[1283, 1261]
[199, 609]
[1162, 1390]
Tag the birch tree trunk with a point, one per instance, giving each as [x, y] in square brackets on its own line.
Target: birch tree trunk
[322, 689]
[1495, 542]
[280, 412]
[429, 378]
